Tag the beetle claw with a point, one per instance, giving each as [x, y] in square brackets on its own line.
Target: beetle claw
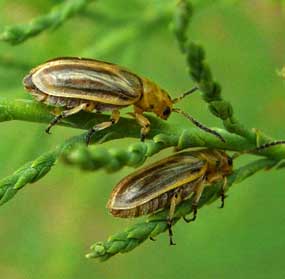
[223, 197]
[194, 215]
[89, 135]
[48, 130]
[54, 122]
[190, 219]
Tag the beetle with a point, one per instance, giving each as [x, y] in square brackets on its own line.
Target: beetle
[168, 182]
[164, 184]
[80, 84]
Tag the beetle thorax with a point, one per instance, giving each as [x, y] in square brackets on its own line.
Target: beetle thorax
[219, 164]
[154, 99]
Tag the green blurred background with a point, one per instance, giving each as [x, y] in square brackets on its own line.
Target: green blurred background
[47, 228]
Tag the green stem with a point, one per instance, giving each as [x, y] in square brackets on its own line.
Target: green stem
[27, 110]
[58, 15]
[162, 132]
[75, 152]
[201, 74]
[33, 171]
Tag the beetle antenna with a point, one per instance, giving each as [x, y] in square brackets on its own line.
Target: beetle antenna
[259, 148]
[178, 99]
[198, 124]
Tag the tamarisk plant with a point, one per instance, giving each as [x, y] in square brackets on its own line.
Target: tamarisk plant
[58, 15]
[162, 135]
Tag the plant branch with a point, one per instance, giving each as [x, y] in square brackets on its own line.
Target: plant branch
[58, 15]
[162, 132]
[200, 73]
[75, 152]
[95, 157]
[33, 171]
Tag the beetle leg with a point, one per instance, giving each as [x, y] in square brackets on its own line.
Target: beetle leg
[101, 126]
[198, 193]
[144, 123]
[219, 177]
[222, 195]
[64, 114]
[173, 202]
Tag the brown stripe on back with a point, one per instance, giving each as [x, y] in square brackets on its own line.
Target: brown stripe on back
[97, 83]
[160, 202]
[149, 182]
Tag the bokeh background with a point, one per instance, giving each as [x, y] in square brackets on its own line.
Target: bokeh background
[47, 228]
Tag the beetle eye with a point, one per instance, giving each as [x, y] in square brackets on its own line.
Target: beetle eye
[166, 111]
[230, 161]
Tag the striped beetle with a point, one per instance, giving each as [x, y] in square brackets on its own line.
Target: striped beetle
[169, 181]
[77, 84]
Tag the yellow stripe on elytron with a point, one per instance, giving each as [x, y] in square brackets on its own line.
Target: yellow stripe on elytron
[108, 100]
[186, 180]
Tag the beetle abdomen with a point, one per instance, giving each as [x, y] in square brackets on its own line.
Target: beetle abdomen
[69, 103]
[85, 80]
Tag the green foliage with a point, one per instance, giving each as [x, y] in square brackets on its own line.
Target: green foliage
[19, 33]
[131, 41]
[33, 171]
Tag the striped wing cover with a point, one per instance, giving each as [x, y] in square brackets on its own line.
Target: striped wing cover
[87, 79]
[150, 182]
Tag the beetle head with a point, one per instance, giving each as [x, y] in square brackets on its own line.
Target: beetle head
[154, 99]
[226, 163]
[163, 107]
[219, 162]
